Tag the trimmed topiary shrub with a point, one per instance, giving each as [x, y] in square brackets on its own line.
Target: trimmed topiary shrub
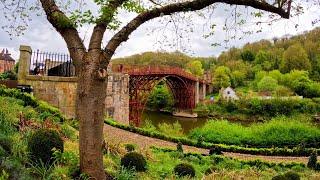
[292, 176]
[312, 163]
[130, 147]
[215, 150]
[134, 160]
[41, 143]
[184, 169]
[287, 176]
[179, 147]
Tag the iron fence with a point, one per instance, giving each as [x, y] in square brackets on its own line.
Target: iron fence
[51, 64]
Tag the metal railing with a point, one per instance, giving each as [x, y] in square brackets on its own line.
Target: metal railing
[51, 64]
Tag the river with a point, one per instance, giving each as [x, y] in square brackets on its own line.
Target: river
[187, 124]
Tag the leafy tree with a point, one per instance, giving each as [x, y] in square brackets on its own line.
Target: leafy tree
[295, 58]
[260, 75]
[295, 76]
[247, 55]
[160, 98]
[91, 61]
[264, 58]
[277, 75]
[267, 83]
[195, 68]
[221, 77]
[238, 78]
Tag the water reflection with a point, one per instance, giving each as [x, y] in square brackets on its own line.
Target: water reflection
[187, 124]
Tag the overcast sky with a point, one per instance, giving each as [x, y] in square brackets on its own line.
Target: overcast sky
[154, 36]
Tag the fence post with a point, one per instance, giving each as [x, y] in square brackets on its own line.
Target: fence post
[24, 63]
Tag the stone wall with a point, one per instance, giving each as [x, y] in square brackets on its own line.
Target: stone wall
[61, 91]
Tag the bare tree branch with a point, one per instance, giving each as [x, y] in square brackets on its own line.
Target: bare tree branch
[69, 33]
[194, 5]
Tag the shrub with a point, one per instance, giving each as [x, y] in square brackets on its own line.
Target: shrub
[179, 147]
[312, 163]
[215, 150]
[134, 160]
[126, 174]
[287, 176]
[130, 147]
[292, 175]
[68, 131]
[267, 83]
[41, 144]
[6, 144]
[174, 129]
[279, 177]
[184, 169]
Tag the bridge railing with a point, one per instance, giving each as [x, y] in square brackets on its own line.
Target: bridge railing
[153, 70]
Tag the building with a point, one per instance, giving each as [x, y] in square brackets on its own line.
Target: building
[6, 61]
[229, 94]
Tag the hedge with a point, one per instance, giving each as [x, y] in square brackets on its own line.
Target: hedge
[244, 162]
[296, 151]
[30, 100]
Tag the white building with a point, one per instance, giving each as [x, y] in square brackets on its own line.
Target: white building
[228, 94]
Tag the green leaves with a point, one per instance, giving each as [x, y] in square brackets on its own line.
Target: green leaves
[133, 6]
[79, 18]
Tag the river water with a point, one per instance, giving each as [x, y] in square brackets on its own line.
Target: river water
[187, 124]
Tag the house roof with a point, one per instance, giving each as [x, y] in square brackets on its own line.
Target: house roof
[5, 55]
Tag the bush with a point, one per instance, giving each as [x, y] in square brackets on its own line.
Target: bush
[6, 144]
[292, 175]
[126, 174]
[215, 150]
[134, 160]
[184, 169]
[179, 147]
[41, 144]
[174, 129]
[267, 83]
[130, 147]
[287, 176]
[29, 100]
[8, 75]
[278, 177]
[312, 163]
[68, 131]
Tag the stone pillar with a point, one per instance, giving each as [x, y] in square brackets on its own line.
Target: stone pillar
[24, 63]
[202, 91]
[196, 92]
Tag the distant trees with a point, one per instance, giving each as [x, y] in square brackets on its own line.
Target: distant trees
[221, 77]
[295, 58]
[195, 68]
[264, 59]
[247, 55]
[161, 98]
[267, 84]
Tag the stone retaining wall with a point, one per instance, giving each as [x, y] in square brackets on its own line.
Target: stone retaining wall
[61, 91]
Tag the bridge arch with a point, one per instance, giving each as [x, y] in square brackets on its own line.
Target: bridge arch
[143, 79]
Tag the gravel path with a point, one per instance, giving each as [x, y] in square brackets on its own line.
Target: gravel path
[116, 135]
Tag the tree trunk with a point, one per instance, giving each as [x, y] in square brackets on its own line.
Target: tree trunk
[90, 111]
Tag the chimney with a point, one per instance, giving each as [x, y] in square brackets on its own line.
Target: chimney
[7, 52]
